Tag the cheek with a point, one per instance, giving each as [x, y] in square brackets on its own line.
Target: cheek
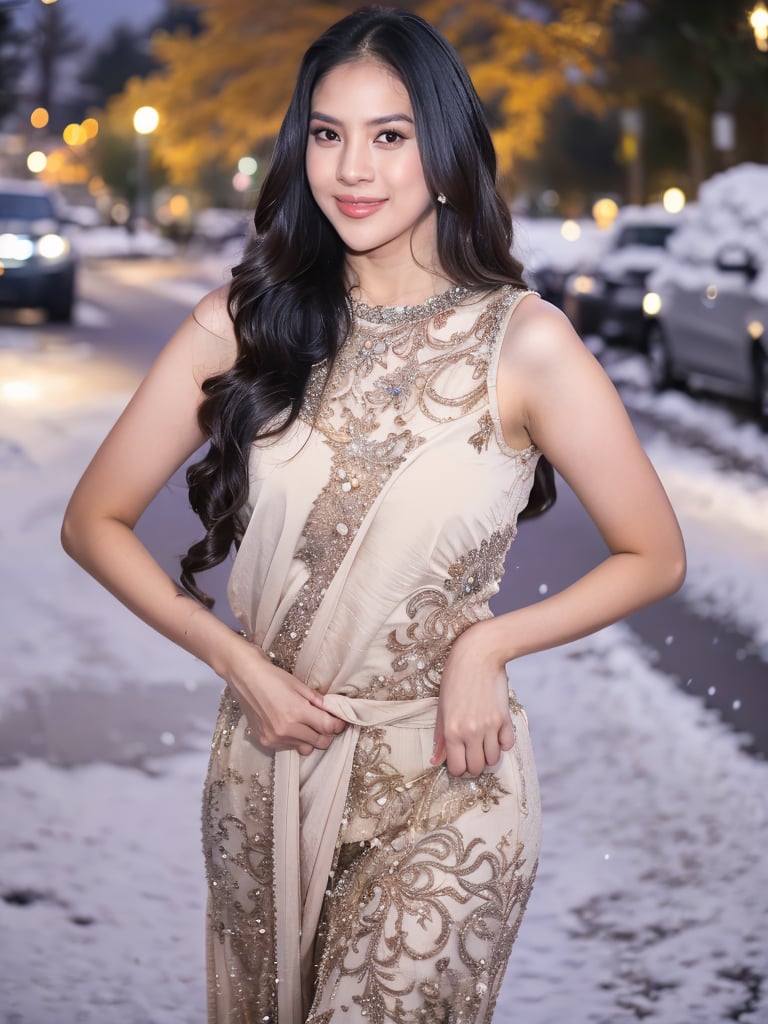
[410, 173]
[315, 166]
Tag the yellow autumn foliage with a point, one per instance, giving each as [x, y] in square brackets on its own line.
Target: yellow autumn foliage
[223, 93]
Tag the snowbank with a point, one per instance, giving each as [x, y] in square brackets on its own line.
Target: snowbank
[732, 211]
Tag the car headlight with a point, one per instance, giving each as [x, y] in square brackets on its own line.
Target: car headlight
[16, 247]
[651, 303]
[52, 247]
[584, 284]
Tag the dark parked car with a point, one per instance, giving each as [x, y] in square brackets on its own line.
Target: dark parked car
[37, 265]
[605, 297]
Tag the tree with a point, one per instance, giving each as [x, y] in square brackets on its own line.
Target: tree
[692, 59]
[125, 54]
[524, 57]
[223, 94]
[52, 39]
[10, 58]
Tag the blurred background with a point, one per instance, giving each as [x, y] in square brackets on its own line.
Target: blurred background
[632, 138]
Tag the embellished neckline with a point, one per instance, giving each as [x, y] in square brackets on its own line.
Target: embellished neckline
[394, 316]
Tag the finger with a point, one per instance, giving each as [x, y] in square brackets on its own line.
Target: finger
[324, 722]
[491, 749]
[474, 755]
[438, 748]
[455, 759]
[304, 749]
[507, 735]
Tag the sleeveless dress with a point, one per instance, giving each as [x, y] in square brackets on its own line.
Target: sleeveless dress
[361, 882]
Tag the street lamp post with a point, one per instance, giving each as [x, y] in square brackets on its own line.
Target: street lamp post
[145, 121]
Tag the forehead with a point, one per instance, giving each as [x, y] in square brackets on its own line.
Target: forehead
[362, 85]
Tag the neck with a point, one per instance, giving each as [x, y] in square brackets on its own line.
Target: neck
[405, 274]
[403, 286]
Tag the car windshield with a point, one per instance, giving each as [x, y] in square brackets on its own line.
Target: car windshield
[18, 206]
[653, 235]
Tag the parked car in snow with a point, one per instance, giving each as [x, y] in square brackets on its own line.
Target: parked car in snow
[605, 295]
[550, 249]
[36, 258]
[707, 303]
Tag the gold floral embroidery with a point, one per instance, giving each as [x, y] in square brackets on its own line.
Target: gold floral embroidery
[381, 802]
[237, 844]
[439, 900]
[479, 441]
[347, 406]
[360, 468]
[414, 889]
[437, 617]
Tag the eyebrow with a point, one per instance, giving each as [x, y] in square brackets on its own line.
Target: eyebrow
[317, 116]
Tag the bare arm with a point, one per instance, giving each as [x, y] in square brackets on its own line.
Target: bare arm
[155, 435]
[553, 391]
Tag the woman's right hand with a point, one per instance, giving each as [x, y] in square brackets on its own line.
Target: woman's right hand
[282, 712]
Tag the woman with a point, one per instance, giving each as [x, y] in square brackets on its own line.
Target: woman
[377, 387]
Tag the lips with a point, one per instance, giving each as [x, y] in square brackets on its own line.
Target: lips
[358, 206]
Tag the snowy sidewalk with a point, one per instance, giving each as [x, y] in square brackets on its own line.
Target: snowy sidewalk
[652, 894]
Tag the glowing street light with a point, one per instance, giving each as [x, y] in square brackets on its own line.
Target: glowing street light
[673, 200]
[145, 121]
[758, 20]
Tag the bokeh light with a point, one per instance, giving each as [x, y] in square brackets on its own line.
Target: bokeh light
[247, 165]
[37, 161]
[604, 212]
[570, 231]
[145, 120]
[673, 200]
[651, 303]
[39, 117]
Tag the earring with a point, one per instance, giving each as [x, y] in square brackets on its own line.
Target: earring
[441, 198]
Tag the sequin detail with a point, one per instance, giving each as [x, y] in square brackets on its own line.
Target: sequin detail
[237, 844]
[423, 927]
[361, 467]
[482, 437]
[430, 873]
[394, 316]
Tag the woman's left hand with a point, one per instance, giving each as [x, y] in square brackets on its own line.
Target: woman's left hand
[473, 721]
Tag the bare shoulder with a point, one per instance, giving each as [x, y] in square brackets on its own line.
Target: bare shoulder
[211, 335]
[538, 339]
[212, 313]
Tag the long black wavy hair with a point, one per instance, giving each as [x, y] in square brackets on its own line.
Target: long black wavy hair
[287, 299]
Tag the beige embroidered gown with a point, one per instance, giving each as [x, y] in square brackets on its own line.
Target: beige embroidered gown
[361, 883]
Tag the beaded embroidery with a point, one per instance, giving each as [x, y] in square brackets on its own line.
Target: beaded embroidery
[395, 316]
[421, 909]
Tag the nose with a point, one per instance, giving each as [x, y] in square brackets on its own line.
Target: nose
[355, 161]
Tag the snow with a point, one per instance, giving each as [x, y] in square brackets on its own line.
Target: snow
[118, 243]
[540, 243]
[732, 210]
[652, 892]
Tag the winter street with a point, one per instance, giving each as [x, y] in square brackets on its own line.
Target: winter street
[651, 737]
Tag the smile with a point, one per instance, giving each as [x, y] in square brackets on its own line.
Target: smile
[355, 207]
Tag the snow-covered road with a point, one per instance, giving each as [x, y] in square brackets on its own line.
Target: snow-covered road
[652, 894]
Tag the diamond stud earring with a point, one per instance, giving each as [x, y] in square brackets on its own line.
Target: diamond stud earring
[441, 198]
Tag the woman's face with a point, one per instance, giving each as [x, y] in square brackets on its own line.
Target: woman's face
[363, 162]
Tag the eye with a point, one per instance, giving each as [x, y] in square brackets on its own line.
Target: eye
[390, 137]
[325, 134]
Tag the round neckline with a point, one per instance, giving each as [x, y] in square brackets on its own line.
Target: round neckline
[394, 315]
